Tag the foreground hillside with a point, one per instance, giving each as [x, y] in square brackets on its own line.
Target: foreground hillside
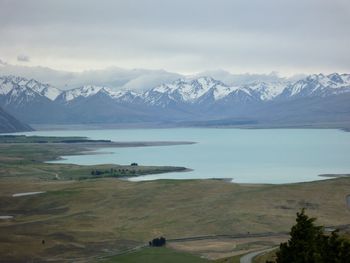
[316, 100]
[9, 123]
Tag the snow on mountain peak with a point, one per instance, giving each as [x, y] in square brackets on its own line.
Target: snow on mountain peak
[203, 89]
[335, 77]
[119, 94]
[84, 91]
[5, 86]
[267, 91]
[189, 90]
[43, 89]
[319, 85]
[8, 83]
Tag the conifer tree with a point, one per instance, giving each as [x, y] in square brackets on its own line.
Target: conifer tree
[309, 244]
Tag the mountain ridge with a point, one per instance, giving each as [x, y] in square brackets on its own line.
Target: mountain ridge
[185, 99]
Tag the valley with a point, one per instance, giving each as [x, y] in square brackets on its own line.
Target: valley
[92, 220]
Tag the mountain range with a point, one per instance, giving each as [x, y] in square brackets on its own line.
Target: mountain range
[203, 100]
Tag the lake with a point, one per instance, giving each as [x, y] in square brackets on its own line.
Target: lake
[246, 155]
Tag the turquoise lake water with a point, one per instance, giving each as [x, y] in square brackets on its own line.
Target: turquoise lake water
[245, 155]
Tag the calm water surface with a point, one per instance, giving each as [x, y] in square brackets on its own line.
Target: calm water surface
[247, 156]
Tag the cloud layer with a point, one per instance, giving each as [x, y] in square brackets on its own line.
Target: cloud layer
[23, 58]
[183, 36]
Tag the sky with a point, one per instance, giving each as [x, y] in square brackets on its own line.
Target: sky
[184, 36]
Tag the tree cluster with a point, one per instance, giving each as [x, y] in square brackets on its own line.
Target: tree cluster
[157, 242]
[113, 172]
[309, 244]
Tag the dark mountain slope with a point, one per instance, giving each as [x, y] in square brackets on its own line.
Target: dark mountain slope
[9, 123]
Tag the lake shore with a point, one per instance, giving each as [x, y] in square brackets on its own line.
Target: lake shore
[71, 127]
[222, 153]
[27, 155]
[334, 175]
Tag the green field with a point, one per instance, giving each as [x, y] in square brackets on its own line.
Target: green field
[164, 255]
[161, 255]
[84, 219]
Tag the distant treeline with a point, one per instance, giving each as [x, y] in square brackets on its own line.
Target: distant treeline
[113, 172]
[117, 172]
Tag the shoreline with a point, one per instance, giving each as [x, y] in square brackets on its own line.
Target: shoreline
[334, 175]
[91, 147]
[180, 170]
[111, 126]
[57, 147]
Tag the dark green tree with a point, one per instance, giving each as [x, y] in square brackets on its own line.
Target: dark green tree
[309, 244]
[302, 246]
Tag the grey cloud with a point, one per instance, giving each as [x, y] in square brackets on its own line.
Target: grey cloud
[186, 36]
[134, 79]
[2, 63]
[310, 16]
[118, 78]
[23, 58]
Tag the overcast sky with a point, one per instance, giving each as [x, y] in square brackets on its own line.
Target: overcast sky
[288, 36]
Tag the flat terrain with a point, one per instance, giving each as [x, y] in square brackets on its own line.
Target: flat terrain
[162, 255]
[90, 219]
[221, 247]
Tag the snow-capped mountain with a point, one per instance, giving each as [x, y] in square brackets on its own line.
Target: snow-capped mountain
[266, 91]
[186, 91]
[89, 91]
[9, 83]
[28, 100]
[208, 90]
[183, 99]
[124, 96]
[20, 95]
[83, 92]
[17, 92]
[182, 91]
[43, 89]
[318, 86]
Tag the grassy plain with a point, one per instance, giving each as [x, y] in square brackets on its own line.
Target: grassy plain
[88, 219]
[25, 156]
[166, 255]
[224, 248]
[161, 255]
